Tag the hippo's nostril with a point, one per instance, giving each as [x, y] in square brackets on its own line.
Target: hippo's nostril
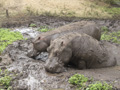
[50, 68]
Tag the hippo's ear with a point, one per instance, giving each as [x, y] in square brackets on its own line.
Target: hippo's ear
[62, 43]
[39, 38]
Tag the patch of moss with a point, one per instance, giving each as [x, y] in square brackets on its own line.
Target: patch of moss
[7, 37]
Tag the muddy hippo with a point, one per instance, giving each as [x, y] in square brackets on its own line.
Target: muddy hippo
[43, 40]
[81, 50]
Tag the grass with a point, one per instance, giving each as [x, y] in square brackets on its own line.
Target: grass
[84, 83]
[17, 10]
[5, 79]
[41, 29]
[79, 80]
[99, 86]
[69, 8]
[7, 37]
[44, 29]
[113, 11]
[33, 25]
[113, 37]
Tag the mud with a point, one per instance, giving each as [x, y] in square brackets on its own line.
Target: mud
[27, 32]
[54, 22]
[31, 72]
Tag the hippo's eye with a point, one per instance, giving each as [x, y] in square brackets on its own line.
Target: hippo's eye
[57, 53]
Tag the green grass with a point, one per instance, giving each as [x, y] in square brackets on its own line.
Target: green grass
[104, 29]
[110, 1]
[99, 86]
[78, 80]
[5, 79]
[44, 29]
[111, 36]
[33, 25]
[7, 37]
[114, 11]
[84, 83]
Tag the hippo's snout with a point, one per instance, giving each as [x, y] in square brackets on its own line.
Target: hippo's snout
[49, 69]
[52, 65]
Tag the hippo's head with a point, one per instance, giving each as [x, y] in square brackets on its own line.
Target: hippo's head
[59, 55]
[54, 66]
[40, 44]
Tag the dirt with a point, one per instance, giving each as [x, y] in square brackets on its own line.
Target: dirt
[54, 22]
[31, 72]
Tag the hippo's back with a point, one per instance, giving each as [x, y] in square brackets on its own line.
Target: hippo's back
[83, 26]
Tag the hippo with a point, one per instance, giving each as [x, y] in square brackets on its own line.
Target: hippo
[42, 42]
[81, 50]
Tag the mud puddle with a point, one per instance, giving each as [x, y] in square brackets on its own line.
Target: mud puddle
[27, 32]
[31, 72]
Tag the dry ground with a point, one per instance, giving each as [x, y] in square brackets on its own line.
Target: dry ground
[79, 8]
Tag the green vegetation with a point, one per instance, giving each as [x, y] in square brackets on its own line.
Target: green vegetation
[5, 79]
[33, 25]
[7, 37]
[84, 83]
[113, 11]
[110, 36]
[104, 29]
[99, 86]
[44, 29]
[78, 79]
[110, 1]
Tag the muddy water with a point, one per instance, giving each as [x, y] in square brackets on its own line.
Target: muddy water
[31, 72]
[28, 32]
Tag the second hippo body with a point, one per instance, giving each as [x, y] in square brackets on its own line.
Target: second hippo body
[43, 40]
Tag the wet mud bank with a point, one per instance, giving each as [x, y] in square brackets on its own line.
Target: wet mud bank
[31, 74]
[54, 22]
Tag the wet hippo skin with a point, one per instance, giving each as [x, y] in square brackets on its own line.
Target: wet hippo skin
[81, 50]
